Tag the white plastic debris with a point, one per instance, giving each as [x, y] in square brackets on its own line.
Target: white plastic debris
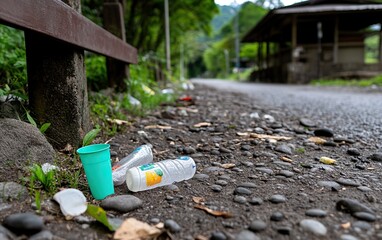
[168, 91]
[72, 202]
[254, 115]
[133, 101]
[269, 118]
[188, 85]
[47, 167]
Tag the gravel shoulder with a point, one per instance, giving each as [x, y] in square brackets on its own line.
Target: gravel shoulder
[272, 188]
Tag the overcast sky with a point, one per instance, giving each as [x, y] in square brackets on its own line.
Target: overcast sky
[228, 2]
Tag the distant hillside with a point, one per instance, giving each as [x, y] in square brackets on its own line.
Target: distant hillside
[225, 15]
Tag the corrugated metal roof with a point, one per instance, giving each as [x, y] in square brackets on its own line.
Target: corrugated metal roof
[328, 8]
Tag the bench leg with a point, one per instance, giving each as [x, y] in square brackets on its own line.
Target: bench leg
[57, 89]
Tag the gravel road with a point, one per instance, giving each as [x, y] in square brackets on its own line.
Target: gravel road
[352, 111]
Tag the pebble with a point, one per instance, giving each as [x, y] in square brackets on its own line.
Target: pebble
[277, 216]
[352, 206]
[113, 154]
[323, 132]
[284, 149]
[257, 226]
[265, 170]
[348, 182]
[218, 236]
[376, 157]
[284, 230]
[213, 169]
[364, 216]
[172, 187]
[286, 173]
[245, 147]
[348, 237]
[306, 122]
[247, 235]
[201, 176]
[12, 191]
[216, 188]
[6, 234]
[315, 212]
[240, 199]
[362, 225]
[172, 226]
[277, 199]
[43, 235]
[189, 150]
[121, 203]
[224, 150]
[28, 223]
[221, 182]
[243, 191]
[248, 164]
[329, 184]
[313, 226]
[256, 201]
[154, 220]
[364, 189]
[247, 185]
[353, 152]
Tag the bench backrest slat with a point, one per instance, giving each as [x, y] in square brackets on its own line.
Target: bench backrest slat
[55, 19]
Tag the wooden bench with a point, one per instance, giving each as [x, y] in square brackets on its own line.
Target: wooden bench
[56, 35]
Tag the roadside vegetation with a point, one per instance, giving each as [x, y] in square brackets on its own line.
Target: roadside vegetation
[375, 81]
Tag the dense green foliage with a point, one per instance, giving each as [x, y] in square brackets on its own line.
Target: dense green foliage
[377, 81]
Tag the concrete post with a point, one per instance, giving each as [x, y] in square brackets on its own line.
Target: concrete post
[57, 87]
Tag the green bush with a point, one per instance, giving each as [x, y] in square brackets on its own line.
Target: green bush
[96, 73]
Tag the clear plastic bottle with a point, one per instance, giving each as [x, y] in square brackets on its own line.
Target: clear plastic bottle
[141, 155]
[158, 174]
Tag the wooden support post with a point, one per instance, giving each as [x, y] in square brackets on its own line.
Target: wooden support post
[380, 44]
[117, 71]
[294, 37]
[335, 41]
[57, 87]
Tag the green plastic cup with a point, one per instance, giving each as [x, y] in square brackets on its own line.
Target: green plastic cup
[96, 161]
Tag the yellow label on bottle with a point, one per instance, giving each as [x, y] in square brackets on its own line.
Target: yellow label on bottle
[153, 177]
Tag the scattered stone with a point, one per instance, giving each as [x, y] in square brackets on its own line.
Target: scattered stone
[247, 235]
[256, 201]
[364, 216]
[348, 237]
[172, 226]
[353, 152]
[12, 191]
[201, 176]
[284, 149]
[330, 144]
[247, 185]
[286, 173]
[240, 199]
[277, 199]
[284, 230]
[121, 203]
[362, 225]
[221, 182]
[27, 223]
[213, 169]
[257, 226]
[189, 150]
[245, 147]
[330, 184]
[277, 216]
[172, 187]
[348, 182]
[352, 206]
[43, 235]
[315, 212]
[224, 150]
[6, 234]
[218, 236]
[313, 226]
[306, 122]
[216, 188]
[364, 189]
[376, 157]
[323, 132]
[154, 220]
[242, 191]
[248, 164]
[265, 170]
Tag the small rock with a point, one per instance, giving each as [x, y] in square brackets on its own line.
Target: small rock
[364, 189]
[347, 182]
[362, 225]
[277, 199]
[213, 169]
[265, 170]
[12, 191]
[313, 226]
[6, 234]
[284, 230]
[121, 203]
[323, 132]
[216, 188]
[330, 184]
[245, 147]
[43, 235]
[242, 191]
[27, 223]
[247, 185]
[277, 216]
[348, 237]
[224, 150]
[113, 154]
[376, 157]
[172, 226]
[284, 149]
[247, 235]
[221, 182]
[364, 216]
[307, 122]
[240, 199]
[286, 173]
[172, 187]
[154, 220]
[218, 236]
[315, 212]
[256, 201]
[257, 226]
[189, 150]
[201, 176]
[352, 206]
[353, 152]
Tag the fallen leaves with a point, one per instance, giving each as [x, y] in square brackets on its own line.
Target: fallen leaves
[202, 124]
[100, 215]
[285, 159]
[133, 229]
[214, 212]
[118, 121]
[326, 160]
[263, 136]
[158, 127]
[198, 200]
[317, 140]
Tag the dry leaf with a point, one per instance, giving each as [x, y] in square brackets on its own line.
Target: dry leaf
[191, 110]
[346, 225]
[68, 149]
[201, 237]
[133, 229]
[242, 134]
[317, 140]
[198, 200]
[202, 124]
[157, 126]
[228, 165]
[214, 212]
[327, 160]
[264, 136]
[285, 159]
[117, 121]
